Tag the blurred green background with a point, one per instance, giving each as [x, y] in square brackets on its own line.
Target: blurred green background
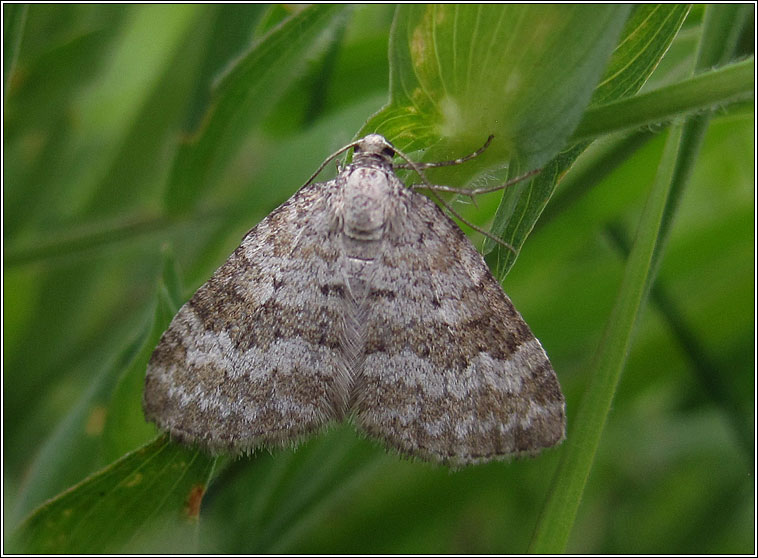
[98, 100]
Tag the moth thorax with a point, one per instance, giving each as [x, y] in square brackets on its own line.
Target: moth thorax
[365, 203]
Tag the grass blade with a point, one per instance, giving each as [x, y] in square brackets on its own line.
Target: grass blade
[704, 91]
[557, 519]
[243, 96]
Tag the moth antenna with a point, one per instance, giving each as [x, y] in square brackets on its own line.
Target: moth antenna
[418, 167]
[471, 192]
[337, 153]
[453, 161]
[478, 229]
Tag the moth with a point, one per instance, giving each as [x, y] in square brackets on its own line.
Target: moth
[358, 298]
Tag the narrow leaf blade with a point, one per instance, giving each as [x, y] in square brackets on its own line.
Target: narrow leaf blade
[554, 527]
[243, 96]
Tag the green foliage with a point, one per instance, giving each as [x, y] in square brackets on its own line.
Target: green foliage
[144, 497]
[141, 142]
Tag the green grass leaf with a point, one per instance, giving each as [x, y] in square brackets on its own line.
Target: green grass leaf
[290, 490]
[557, 518]
[125, 427]
[244, 94]
[107, 421]
[131, 504]
[71, 451]
[682, 145]
[706, 91]
[161, 30]
[144, 501]
[646, 36]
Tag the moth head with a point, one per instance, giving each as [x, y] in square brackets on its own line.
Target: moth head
[374, 146]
